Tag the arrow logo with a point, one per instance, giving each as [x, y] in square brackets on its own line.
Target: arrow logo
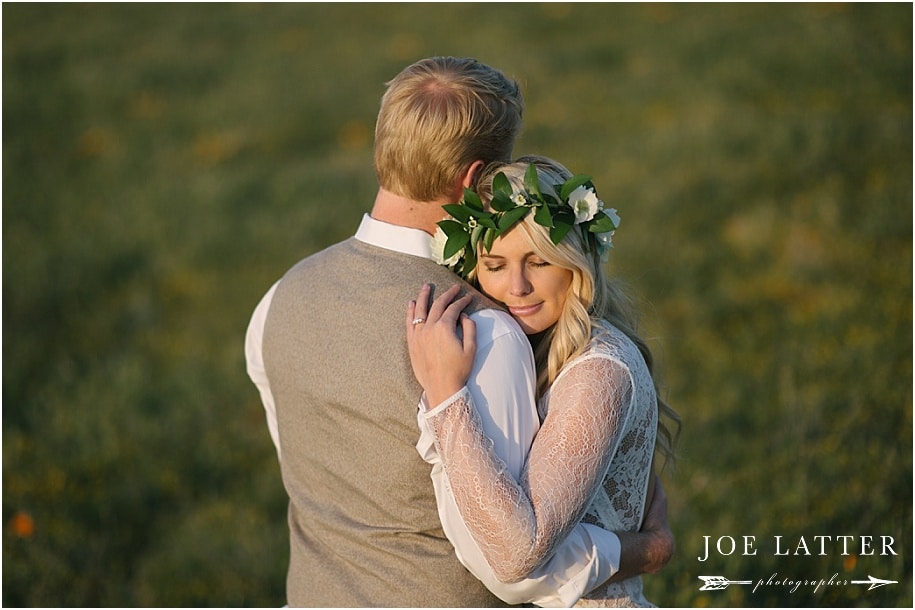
[717, 583]
[873, 582]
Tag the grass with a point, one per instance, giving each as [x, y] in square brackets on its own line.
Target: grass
[163, 164]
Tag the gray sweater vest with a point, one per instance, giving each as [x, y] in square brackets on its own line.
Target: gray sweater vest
[364, 527]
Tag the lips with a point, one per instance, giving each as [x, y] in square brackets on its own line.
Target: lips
[524, 310]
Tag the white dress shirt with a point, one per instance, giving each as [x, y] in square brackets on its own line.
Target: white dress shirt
[502, 385]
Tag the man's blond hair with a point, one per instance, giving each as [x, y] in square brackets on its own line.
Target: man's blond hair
[437, 117]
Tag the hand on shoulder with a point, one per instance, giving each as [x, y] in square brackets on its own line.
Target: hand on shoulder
[441, 340]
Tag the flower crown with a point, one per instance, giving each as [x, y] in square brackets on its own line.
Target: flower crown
[457, 239]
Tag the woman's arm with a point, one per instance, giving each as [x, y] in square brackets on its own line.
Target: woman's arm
[518, 524]
[501, 383]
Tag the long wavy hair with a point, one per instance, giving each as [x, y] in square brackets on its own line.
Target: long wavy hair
[593, 296]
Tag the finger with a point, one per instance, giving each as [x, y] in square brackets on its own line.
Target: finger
[469, 330]
[442, 302]
[411, 315]
[422, 302]
[453, 311]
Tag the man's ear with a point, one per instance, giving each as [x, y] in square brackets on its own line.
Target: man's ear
[470, 177]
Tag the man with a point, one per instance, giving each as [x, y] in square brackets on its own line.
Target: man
[326, 349]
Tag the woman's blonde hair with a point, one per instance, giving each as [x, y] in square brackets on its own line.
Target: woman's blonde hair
[592, 294]
[437, 117]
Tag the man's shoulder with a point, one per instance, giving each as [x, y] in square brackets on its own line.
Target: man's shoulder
[321, 263]
[319, 257]
[492, 322]
[481, 301]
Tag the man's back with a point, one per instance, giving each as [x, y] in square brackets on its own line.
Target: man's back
[364, 525]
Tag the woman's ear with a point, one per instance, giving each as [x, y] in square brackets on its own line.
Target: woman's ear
[469, 180]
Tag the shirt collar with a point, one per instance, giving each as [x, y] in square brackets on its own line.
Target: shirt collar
[405, 240]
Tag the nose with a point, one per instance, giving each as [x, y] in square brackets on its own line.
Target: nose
[520, 285]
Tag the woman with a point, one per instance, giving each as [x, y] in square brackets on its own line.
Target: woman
[534, 238]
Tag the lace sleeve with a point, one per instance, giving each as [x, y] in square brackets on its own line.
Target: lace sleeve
[519, 524]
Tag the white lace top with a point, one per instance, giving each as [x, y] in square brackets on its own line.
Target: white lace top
[590, 461]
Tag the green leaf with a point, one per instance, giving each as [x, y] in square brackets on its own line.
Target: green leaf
[564, 214]
[488, 239]
[511, 217]
[455, 244]
[500, 184]
[558, 232]
[532, 180]
[501, 202]
[573, 183]
[475, 236]
[601, 223]
[470, 261]
[451, 227]
[457, 211]
[484, 218]
[543, 217]
[472, 200]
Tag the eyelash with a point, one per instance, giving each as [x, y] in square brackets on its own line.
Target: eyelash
[533, 264]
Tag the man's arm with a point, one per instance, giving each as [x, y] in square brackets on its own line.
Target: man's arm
[649, 550]
[254, 362]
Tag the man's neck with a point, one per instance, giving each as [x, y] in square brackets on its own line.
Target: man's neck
[404, 212]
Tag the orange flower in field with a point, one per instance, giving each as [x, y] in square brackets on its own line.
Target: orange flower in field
[850, 562]
[23, 524]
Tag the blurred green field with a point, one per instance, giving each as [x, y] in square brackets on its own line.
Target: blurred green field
[164, 164]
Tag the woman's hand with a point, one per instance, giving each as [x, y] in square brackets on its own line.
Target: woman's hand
[442, 342]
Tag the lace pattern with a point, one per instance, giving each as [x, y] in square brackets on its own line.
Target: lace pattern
[590, 461]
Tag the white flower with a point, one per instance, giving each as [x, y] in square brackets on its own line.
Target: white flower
[437, 245]
[518, 198]
[585, 204]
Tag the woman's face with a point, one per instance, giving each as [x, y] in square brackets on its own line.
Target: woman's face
[533, 290]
